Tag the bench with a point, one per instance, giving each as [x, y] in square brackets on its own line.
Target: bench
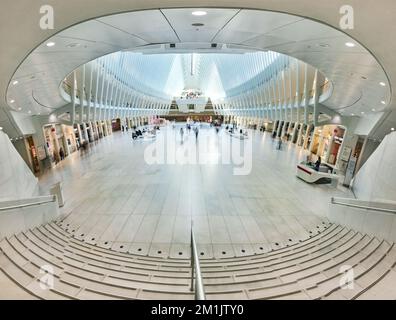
[310, 175]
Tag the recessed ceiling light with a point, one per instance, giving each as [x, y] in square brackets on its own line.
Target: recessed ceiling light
[29, 111]
[392, 129]
[199, 13]
[19, 108]
[12, 101]
[350, 44]
[383, 102]
[373, 110]
[382, 84]
[50, 44]
[362, 112]
[1, 128]
[15, 82]
[352, 114]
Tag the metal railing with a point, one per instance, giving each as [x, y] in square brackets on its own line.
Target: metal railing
[366, 205]
[196, 285]
[32, 202]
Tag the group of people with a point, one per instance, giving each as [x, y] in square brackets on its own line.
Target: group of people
[286, 137]
[279, 144]
[58, 156]
[234, 129]
[188, 127]
[316, 166]
[137, 133]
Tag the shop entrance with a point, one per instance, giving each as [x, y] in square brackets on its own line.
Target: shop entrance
[33, 155]
[327, 141]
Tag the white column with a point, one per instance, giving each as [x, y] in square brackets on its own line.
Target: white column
[316, 98]
[82, 94]
[73, 98]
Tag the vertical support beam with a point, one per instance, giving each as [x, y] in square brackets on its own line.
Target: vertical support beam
[84, 125]
[275, 105]
[306, 95]
[285, 104]
[269, 102]
[101, 104]
[298, 102]
[96, 93]
[286, 111]
[316, 98]
[89, 94]
[291, 95]
[111, 102]
[73, 98]
[279, 84]
[106, 102]
[82, 94]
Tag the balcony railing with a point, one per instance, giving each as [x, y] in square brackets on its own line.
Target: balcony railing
[366, 205]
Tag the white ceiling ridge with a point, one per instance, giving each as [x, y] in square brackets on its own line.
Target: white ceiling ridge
[222, 28]
[273, 30]
[131, 34]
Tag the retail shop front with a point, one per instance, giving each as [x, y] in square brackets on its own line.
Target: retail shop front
[116, 124]
[60, 141]
[327, 143]
[28, 151]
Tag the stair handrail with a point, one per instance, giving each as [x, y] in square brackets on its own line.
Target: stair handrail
[344, 202]
[196, 270]
[34, 202]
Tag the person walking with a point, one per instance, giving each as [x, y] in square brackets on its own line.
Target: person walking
[280, 143]
[196, 133]
[318, 163]
[61, 153]
[181, 134]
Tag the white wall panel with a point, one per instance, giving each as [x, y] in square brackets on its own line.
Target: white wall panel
[376, 180]
[16, 179]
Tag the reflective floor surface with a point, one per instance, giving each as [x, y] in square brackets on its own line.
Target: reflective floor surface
[120, 195]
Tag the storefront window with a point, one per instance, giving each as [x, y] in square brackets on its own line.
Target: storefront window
[327, 141]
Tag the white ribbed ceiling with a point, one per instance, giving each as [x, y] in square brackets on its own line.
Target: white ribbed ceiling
[168, 75]
[354, 72]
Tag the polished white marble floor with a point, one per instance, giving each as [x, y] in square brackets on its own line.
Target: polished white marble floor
[114, 199]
